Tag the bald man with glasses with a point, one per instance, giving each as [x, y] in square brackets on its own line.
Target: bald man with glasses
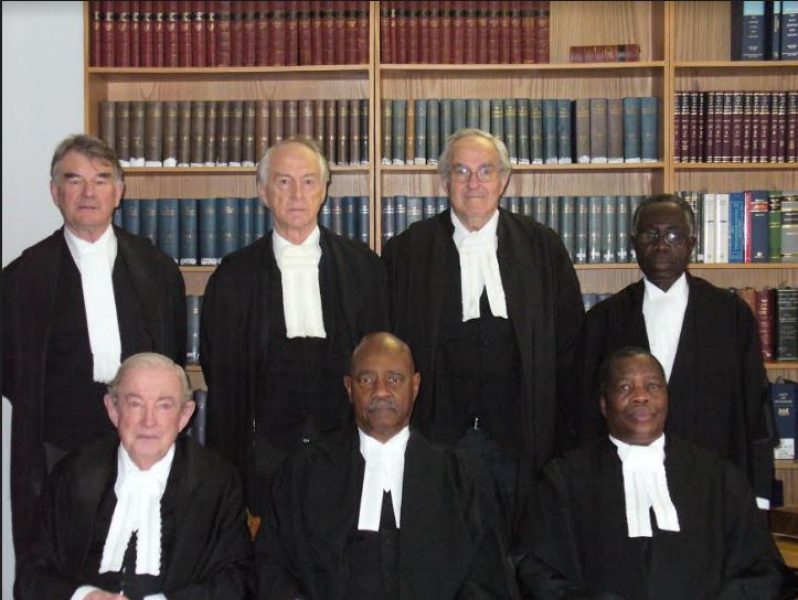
[490, 304]
[705, 337]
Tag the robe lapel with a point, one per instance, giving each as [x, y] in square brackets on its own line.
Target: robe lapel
[146, 286]
[341, 291]
[683, 410]
[638, 335]
[433, 278]
[177, 495]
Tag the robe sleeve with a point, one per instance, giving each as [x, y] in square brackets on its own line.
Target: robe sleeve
[177, 294]
[588, 421]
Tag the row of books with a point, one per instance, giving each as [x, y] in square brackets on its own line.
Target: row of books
[736, 126]
[464, 31]
[764, 30]
[536, 131]
[221, 33]
[203, 231]
[202, 133]
[754, 226]
[776, 313]
[594, 229]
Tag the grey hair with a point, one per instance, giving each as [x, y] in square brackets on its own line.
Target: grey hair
[152, 360]
[262, 173]
[680, 203]
[89, 146]
[444, 166]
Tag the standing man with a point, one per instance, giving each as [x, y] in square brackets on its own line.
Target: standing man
[280, 319]
[490, 304]
[705, 338]
[74, 306]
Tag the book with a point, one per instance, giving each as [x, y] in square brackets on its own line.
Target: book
[246, 222]
[582, 129]
[736, 239]
[604, 53]
[227, 221]
[722, 228]
[387, 131]
[759, 225]
[131, 216]
[108, 122]
[210, 134]
[747, 30]
[510, 134]
[709, 228]
[567, 222]
[774, 226]
[536, 131]
[521, 128]
[248, 155]
[765, 314]
[399, 115]
[598, 130]
[400, 213]
[784, 396]
[550, 133]
[354, 131]
[197, 428]
[208, 252]
[789, 30]
[189, 232]
[649, 141]
[137, 132]
[609, 224]
[564, 132]
[787, 323]
[433, 139]
[594, 230]
[410, 133]
[789, 227]
[364, 219]
[420, 127]
[414, 207]
[197, 136]
[773, 30]
[342, 132]
[192, 329]
[615, 131]
[622, 229]
[148, 210]
[388, 225]
[581, 207]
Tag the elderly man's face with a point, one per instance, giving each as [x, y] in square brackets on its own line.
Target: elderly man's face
[472, 200]
[663, 262]
[382, 388]
[86, 193]
[635, 402]
[294, 191]
[148, 413]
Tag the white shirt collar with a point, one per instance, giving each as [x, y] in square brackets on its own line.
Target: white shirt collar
[487, 231]
[385, 468]
[106, 244]
[279, 243]
[677, 292]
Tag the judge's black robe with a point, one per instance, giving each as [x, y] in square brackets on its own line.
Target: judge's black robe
[544, 304]
[718, 384]
[581, 549]
[235, 333]
[449, 543]
[29, 310]
[211, 557]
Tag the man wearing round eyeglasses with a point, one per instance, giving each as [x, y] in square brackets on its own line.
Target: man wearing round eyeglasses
[705, 337]
[490, 304]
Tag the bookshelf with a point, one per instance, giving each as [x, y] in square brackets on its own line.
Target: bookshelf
[684, 46]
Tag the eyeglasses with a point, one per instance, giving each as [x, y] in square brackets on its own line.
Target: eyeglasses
[671, 237]
[484, 174]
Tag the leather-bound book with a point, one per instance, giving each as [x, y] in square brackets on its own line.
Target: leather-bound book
[494, 27]
[261, 128]
[305, 118]
[422, 11]
[342, 137]
[222, 133]
[122, 34]
[303, 32]
[210, 33]
[521, 129]
[483, 10]
[615, 130]
[236, 133]
[582, 113]
[401, 40]
[748, 114]
[184, 133]
[778, 143]
[738, 99]
[328, 40]
[170, 116]
[756, 125]
[291, 33]
[709, 126]
[350, 28]
[276, 128]
[445, 11]
[199, 34]
[316, 32]
[433, 10]
[364, 131]
[542, 31]
[223, 33]
[363, 19]
[134, 28]
[410, 133]
[535, 131]
[319, 122]
[95, 28]
[516, 34]
[291, 117]
[189, 223]
[791, 135]
[469, 29]
[433, 131]
[108, 29]
[387, 133]
[249, 24]
[277, 31]
[158, 33]
[153, 134]
[726, 126]
[386, 48]
[339, 22]
[237, 15]
[108, 122]
[137, 128]
[210, 132]
[330, 133]
[262, 41]
[717, 135]
[399, 116]
[504, 32]
[184, 26]
[598, 130]
[197, 133]
[528, 32]
[354, 132]
[171, 41]
[413, 25]
[766, 321]
[146, 33]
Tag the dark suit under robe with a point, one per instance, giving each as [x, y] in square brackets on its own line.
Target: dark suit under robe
[255, 375]
[208, 552]
[449, 545]
[718, 384]
[544, 305]
[33, 318]
[581, 547]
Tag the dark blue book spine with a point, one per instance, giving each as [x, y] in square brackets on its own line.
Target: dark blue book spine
[398, 130]
[760, 237]
[522, 129]
[208, 248]
[459, 118]
[472, 113]
[400, 213]
[117, 218]
[773, 33]
[736, 227]
[622, 232]
[429, 207]
[510, 134]
[515, 204]
[484, 114]
[527, 206]
[421, 132]
[540, 209]
[748, 30]
[364, 219]
[325, 214]
[504, 202]
[789, 30]
[414, 209]
[497, 117]
[433, 132]
[350, 217]
[227, 211]
[631, 130]
[192, 329]
[609, 225]
[550, 131]
[337, 215]
[567, 222]
[131, 216]
[446, 109]
[260, 218]
[594, 236]
[564, 132]
[149, 219]
[189, 228]
[580, 230]
[536, 131]
[197, 429]
[648, 129]
[364, 131]
[441, 203]
[246, 223]
[388, 221]
[553, 213]
[598, 130]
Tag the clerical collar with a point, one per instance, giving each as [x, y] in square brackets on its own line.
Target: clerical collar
[299, 276]
[487, 230]
[106, 244]
[645, 487]
[384, 472]
[663, 312]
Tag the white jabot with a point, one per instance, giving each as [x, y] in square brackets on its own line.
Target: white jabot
[299, 274]
[645, 486]
[385, 469]
[96, 265]
[138, 508]
[664, 315]
[479, 267]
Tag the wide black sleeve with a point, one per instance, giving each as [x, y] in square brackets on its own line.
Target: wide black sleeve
[9, 350]
[176, 289]
[586, 416]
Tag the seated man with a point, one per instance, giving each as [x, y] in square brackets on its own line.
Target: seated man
[376, 511]
[142, 514]
[639, 514]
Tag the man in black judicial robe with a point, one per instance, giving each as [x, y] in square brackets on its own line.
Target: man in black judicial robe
[494, 387]
[47, 354]
[718, 383]
[206, 551]
[268, 389]
[581, 541]
[444, 540]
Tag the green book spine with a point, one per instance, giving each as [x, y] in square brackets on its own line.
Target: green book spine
[536, 131]
[510, 134]
[421, 132]
[399, 113]
[522, 129]
[774, 226]
[433, 132]
[550, 131]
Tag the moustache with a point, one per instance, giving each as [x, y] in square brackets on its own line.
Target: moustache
[382, 404]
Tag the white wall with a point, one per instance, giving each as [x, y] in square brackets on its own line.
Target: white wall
[42, 104]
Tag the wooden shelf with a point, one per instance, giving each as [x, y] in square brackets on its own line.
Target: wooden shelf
[218, 71]
[718, 65]
[497, 68]
[782, 366]
[141, 171]
[739, 166]
[572, 167]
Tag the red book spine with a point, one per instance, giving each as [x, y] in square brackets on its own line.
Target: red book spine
[446, 17]
[493, 33]
[748, 202]
[748, 107]
[401, 32]
[765, 313]
[339, 21]
[780, 139]
[277, 31]
[158, 34]
[459, 28]
[528, 32]
[210, 33]
[199, 51]
[328, 33]
[411, 6]
[184, 40]
[237, 33]
[469, 32]
[718, 128]
[317, 10]
[423, 31]
[249, 27]
[171, 40]
[291, 34]
[147, 34]
[764, 127]
[516, 35]
[791, 135]
[483, 10]
[737, 127]
[386, 50]
[692, 120]
[434, 30]
[701, 128]
[362, 32]
[223, 42]
[505, 32]
[677, 120]
[96, 26]
[122, 34]
[305, 44]
[262, 41]
[726, 127]
[542, 31]
[684, 147]
[755, 124]
[135, 33]
[108, 31]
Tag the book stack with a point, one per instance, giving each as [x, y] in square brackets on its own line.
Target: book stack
[231, 133]
[764, 30]
[736, 126]
[753, 226]
[590, 299]
[193, 312]
[399, 212]
[202, 231]
[221, 33]
[464, 32]
[535, 131]
[604, 53]
[776, 312]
